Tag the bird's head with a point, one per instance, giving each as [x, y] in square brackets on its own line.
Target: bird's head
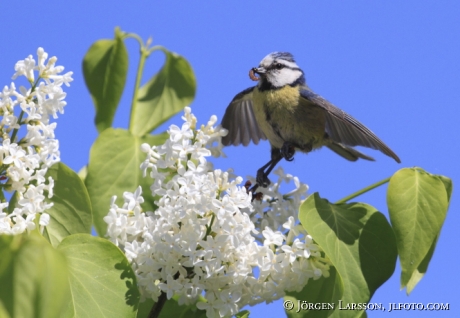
[277, 70]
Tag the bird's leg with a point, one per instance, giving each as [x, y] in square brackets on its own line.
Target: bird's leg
[288, 151]
[262, 174]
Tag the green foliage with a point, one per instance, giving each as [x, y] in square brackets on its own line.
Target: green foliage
[3, 312]
[359, 242]
[145, 307]
[115, 157]
[171, 309]
[166, 94]
[242, 314]
[362, 245]
[33, 277]
[89, 276]
[101, 280]
[418, 203]
[113, 168]
[71, 210]
[105, 67]
[321, 291]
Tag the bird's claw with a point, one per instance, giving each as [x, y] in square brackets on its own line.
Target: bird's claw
[262, 179]
[288, 151]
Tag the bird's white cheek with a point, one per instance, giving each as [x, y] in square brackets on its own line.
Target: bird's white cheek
[285, 77]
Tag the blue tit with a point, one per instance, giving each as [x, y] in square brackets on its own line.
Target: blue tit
[284, 110]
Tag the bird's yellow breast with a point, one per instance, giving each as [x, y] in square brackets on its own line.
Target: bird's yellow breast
[284, 116]
[284, 99]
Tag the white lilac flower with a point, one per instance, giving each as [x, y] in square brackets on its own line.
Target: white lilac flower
[20, 224]
[44, 221]
[16, 156]
[27, 158]
[206, 237]
[26, 68]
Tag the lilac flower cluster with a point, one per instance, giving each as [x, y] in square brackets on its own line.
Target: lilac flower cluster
[25, 161]
[207, 238]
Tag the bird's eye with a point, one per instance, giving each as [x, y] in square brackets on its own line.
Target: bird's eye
[279, 66]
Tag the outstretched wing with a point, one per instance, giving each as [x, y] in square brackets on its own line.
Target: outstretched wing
[347, 152]
[343, 128]
[240, 121]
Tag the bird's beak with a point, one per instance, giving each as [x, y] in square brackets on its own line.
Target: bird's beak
[259, 70]
[256, 70]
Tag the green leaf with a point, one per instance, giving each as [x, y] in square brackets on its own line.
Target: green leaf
[359, 242]
[447, 184]
[114, 167]
[243, 314]
[33, 277]
[421, 269]
[105, 66]
[13, 202]
[71, 210]
[145, 307]
[316, 293]
[3, 312]
[166, 94]
[82, 173]
[102, 281]
[171, 309]
[418, 203]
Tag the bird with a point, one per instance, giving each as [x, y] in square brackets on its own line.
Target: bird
[284, 110]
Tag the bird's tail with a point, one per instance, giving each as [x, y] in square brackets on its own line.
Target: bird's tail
[348, 152]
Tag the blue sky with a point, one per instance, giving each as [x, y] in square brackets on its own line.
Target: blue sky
[395, 66]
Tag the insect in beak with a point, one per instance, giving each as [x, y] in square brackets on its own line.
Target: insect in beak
[252, 74]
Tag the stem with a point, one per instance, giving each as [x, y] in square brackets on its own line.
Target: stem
[2, 195]
[366, 189]
[158, 306]
[15, 131]
[134, 36]
[140, 69]
[156, 48]
[145, 53]
[209, 229]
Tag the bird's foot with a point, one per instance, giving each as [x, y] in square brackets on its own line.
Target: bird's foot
[288, 151]
[262, 179]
